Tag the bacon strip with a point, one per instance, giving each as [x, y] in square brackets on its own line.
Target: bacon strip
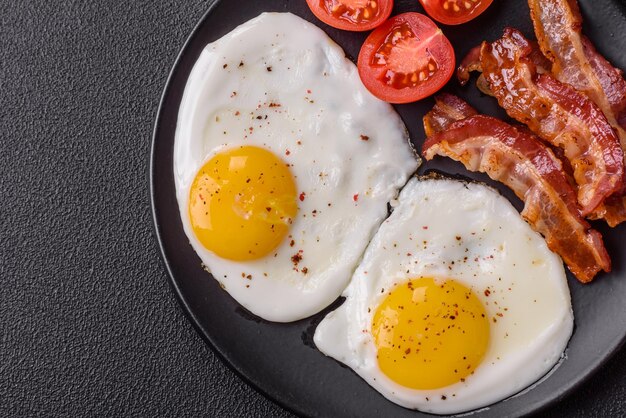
[613, 211]
[611, 79]
[472, 62]
[448, 109]
[558, 25]
[558, 114]
[519, 160]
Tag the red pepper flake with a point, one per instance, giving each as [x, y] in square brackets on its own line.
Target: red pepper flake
[355, 197]
[234, 93]
[292, 243]
[269, 69]
[241, 64]
[309, 91]
[365, 138]
[487, 292]
[225, 65]
[296, 258]
[424, 227]
[302, 196]
[237, 113]
[275, 104]
[287, 152]
[305, 270]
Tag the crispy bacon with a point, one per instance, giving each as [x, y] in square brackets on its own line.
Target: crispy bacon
[558, 25]
[472, 62]
[611, 79]
[613, 211]
[557, 113]
[448, 109]
[518, 159]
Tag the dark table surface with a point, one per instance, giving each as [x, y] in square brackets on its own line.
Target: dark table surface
[88, 324]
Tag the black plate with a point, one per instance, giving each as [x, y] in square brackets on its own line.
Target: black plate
[279, 359]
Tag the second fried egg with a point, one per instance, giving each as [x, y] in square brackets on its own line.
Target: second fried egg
[456, 304]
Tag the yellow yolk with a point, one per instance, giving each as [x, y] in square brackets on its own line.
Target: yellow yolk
[242, 202]
[430, 334]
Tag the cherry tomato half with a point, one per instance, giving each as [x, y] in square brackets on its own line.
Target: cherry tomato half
[406, 59]
[454, 12]
[352, 15]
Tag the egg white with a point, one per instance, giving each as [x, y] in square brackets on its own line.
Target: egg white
[468, 232]
[281, 83]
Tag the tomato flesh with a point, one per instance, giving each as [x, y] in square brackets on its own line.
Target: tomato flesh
[406, 59]
[352, 15]
[353, 11]
[454, 12]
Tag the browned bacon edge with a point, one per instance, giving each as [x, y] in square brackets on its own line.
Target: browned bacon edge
[519, 160]
[611, 79]
[448, 109]
[612, 211]
[471, 63]
[557, 113]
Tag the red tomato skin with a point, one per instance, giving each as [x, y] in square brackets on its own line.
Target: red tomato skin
[370, 76]
[386, 7]
[434, 9]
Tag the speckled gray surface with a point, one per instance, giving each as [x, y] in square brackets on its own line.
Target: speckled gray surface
[88, 324]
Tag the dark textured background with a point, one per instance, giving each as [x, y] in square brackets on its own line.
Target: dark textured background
[88, 324]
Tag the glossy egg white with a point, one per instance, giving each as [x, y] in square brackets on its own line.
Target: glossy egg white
[444, 229]
[280, 83]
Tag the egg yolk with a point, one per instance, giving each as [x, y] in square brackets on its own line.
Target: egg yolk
[242, 202]
[430, 334]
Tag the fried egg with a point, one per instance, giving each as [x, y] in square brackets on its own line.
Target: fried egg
[284, 165]
[457, 303]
